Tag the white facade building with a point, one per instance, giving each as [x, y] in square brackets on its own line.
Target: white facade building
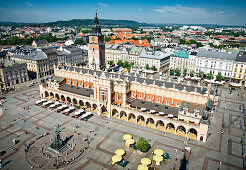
[215, 62]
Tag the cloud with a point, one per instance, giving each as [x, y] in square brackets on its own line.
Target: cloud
[102, 4]
[28, 4]
[189, 14]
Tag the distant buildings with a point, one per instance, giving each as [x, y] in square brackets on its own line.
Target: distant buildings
[159, 61]
[71, 56]
[215, 62]
[239, 68]
[40, 63]
[12, 73]
[40, 43]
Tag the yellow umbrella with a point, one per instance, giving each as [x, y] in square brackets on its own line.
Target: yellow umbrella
[158, 158]
[116, 158]
[159, 152]
[127, 136]
[130, 141]
[146, 161]
[119, 152]
[142, 167]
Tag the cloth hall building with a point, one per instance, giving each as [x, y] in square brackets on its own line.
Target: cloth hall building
[180, 109]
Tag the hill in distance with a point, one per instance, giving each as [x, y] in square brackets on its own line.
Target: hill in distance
[108, 22]
[77, 22]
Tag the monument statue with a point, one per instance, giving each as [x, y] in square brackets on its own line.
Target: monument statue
[58, 143]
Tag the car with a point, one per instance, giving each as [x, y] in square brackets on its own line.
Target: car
[175, 78]
[232, 88]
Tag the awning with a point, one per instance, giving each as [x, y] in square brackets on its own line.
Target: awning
[146, 161]
[127, 136]
[158, 152]
[142, 167]
[143, 109]
[170, 115]
[120, 152]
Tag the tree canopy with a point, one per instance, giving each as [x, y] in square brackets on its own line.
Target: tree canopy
[171, 71]
[142, 145]
[80, 41]
[107, 38]
[219, 77]
[147, 67]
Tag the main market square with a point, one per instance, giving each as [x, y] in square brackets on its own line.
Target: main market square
[222, 149]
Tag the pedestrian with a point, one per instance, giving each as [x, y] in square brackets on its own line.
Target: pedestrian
[17, 135]
[106, 121]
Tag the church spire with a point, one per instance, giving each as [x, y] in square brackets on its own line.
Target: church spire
[96, 22]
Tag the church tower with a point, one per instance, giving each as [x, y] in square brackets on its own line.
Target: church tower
[96, 47]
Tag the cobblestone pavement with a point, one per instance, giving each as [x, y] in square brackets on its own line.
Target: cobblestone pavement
[222, 150]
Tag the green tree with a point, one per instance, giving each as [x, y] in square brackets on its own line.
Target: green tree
[201, 74]
[13, 41]
[153, 68]
[182, 41]
[134, 38]
[126, 64]
[107, 38]
[192, 73]
[147, 67]
[79, 41]
[157, 49]
[185, 72]
[219, 77]
[177, 72]
[111, 63]
[120, 63]
[210, 76]
[171, 71]
[142, 145]
[151, 33]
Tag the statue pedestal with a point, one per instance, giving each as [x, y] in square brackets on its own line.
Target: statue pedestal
[55, 152]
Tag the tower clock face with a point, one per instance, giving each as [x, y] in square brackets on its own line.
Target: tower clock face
[93, 38]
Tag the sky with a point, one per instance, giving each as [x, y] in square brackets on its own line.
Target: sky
[223, 12]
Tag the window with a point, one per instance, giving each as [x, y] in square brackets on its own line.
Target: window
[149, 98]
[119, 97]
[79, 84]
[167, 102]
[133, 94]
[140, 96]
[68, 81]
[74, 82]
[177, 104]
[86, 85]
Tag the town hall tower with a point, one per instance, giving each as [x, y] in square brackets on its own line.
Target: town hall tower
[96, 47]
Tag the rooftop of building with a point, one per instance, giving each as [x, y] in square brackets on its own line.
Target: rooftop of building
[10, 63]
[156, 56]
[36, 55]
[77, 90]
[216, 54]
[192, 107]
[132, 77]
[241, 56]
[181, 54]
[41, 42]
[166, 109]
